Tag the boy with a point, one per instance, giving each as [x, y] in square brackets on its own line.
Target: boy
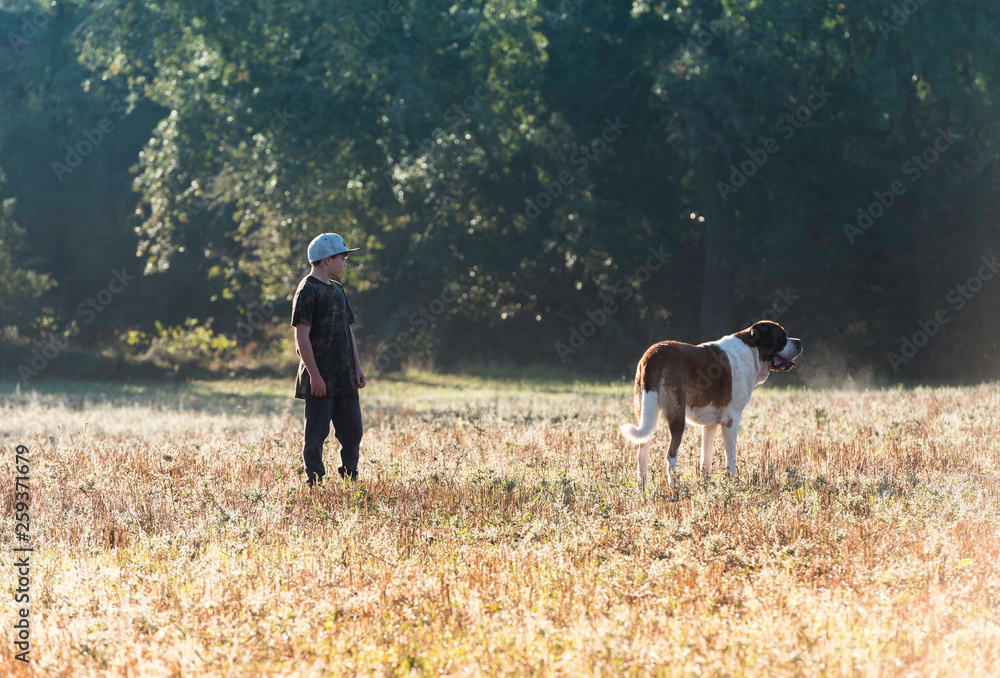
[330, 371]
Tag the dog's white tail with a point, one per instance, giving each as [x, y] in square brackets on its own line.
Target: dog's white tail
[648, 413]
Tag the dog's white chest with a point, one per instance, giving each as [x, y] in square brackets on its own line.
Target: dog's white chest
[746, 370]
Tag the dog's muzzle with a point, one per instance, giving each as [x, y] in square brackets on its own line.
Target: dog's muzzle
[783, 363]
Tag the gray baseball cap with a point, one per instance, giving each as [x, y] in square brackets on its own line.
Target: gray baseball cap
[327, 245]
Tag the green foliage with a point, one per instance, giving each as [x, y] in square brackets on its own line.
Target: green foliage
[192, 344]
[445, 137]
[20, 288]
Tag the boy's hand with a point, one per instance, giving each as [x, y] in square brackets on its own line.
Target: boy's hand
[362, 380]
[318, 387]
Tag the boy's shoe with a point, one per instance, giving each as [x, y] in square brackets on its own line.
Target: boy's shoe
[348, 474]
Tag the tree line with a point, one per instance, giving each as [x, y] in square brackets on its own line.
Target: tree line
[507, 168]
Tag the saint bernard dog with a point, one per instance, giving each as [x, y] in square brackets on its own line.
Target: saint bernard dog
[709, 385]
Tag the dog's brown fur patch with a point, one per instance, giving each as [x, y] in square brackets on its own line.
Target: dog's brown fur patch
[691, 376]
[703, 370]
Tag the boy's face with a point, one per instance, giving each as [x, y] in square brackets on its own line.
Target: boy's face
[337, 265]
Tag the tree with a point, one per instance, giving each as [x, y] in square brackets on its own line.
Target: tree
[522, 158]
[20, 287]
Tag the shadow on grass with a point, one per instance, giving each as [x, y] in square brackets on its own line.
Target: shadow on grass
[214, 397]
[267, 396]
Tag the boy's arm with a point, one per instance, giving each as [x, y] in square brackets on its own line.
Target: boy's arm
[362, 380]
[316, 384]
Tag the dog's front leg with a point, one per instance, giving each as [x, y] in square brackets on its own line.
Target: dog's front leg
[707, 445]
[643, 463]
[730, 427]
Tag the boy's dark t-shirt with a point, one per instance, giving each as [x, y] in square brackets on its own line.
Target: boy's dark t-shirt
[328, 313]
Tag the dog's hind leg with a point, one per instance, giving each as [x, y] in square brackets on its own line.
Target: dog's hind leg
[673, 411]
[707, 444]
[729, 440]
[643, 463]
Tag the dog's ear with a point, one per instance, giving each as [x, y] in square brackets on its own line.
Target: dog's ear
[763, 337]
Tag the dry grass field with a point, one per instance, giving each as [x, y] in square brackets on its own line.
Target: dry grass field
[498, 530]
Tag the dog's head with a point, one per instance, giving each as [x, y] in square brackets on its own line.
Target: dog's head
[774, 345]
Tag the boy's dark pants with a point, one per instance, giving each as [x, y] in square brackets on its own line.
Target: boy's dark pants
[345, 413]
